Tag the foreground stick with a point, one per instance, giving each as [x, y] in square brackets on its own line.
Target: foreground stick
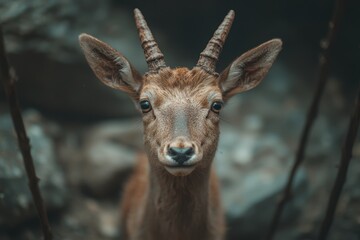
[326, 45]
[341, 175]
[173, 193]
[9, 79]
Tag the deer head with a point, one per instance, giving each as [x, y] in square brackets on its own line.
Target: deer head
[180, 107]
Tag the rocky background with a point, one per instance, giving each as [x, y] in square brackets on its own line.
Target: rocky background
[85, 136]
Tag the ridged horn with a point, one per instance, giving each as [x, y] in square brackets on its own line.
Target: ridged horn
[209, 57]
[153, 55]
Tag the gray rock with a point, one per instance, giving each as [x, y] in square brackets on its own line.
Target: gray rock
[52, 28]
[253, 170]
[16, 204]
[110, 152]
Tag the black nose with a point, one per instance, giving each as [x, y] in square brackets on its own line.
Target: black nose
[181, 155]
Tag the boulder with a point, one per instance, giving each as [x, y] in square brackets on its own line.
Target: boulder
[16, 204]
[109, 154]
[253, 170]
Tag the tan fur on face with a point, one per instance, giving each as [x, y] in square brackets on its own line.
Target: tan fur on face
[175, 95]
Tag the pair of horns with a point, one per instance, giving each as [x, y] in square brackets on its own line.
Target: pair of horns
[208, 57]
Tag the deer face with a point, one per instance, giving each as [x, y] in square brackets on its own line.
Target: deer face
[180, 107]
[181, 114]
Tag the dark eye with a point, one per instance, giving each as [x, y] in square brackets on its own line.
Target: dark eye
[145, 106]
[216, 106]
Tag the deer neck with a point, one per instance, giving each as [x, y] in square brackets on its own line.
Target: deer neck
[179, 205]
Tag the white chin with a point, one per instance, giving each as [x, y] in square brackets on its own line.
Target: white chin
[179, 171]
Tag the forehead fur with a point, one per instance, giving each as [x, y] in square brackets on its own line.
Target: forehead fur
[194, 81]
[181, 84]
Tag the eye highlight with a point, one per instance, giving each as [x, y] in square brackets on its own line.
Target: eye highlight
[145, 106]
[216, 106]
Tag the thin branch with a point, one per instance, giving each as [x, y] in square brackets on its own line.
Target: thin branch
[342, 172]
[326, 46]
[9, 81]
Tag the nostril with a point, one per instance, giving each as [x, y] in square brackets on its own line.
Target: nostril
[172, 151]
[180, 155]
[189, 151]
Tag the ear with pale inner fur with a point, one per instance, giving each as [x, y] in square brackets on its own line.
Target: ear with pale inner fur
[110, 66]
[247, 71]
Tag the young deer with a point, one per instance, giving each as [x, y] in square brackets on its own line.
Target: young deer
[174, 192]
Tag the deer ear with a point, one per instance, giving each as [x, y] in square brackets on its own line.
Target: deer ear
[110, 66]
[247, 71]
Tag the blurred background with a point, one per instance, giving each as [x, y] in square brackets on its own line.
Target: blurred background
[85, 136]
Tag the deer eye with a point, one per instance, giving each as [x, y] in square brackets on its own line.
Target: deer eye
[216, 107]
[145, 106]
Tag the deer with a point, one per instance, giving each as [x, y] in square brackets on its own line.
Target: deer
[174, 192]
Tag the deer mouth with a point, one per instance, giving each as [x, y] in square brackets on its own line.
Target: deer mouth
[179, 159]
[181, 166]
[180, 170]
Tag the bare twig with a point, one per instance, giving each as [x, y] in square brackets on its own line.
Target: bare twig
[342, 172]
[326, 46]
[9, 80]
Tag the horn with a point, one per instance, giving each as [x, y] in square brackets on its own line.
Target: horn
[153, 55]
[209, 56]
